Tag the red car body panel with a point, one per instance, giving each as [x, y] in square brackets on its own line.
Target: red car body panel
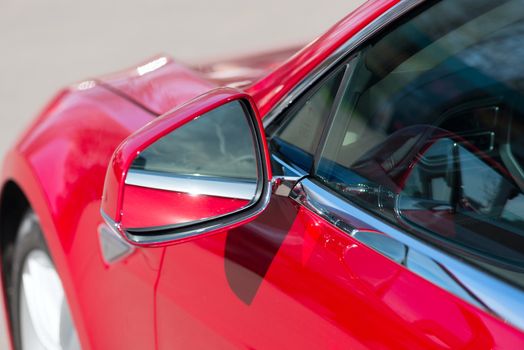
[165, 208]
[292, 281]
[56, 166]
[243, 71]
[287, 279]
[158, 85]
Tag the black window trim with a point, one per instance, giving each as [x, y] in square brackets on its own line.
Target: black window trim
[286, 115]
[348, 74]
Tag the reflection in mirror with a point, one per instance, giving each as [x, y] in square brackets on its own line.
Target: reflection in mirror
[205, 169]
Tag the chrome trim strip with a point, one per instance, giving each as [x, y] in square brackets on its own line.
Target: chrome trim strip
[195, 185]
[476, 286]
[341, 53]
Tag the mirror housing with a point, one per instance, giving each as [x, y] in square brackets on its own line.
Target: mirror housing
[151, 204]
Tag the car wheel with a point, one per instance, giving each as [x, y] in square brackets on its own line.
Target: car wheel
[40, 313]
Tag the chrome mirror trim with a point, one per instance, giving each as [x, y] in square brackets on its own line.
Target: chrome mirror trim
[472, 284]
[194, 185]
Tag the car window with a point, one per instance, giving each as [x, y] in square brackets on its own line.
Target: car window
[296, 136]
[429, 131]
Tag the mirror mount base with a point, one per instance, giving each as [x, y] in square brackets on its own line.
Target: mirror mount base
[283, 185]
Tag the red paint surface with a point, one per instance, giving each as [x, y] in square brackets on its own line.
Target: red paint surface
[287, 279]
[147, 207]
[243, 71]
[166, 86]
[60, 165]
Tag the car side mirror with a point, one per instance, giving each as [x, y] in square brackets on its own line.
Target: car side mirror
[199, 169]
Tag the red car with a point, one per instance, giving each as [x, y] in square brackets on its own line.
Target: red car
[367, 192]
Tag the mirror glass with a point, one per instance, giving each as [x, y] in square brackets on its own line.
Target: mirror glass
[207, 168]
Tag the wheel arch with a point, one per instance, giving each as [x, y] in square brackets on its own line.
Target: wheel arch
[13, 205]
[21, 191]
[57, 168]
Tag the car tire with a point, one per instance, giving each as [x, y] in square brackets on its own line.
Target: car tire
[40, 315]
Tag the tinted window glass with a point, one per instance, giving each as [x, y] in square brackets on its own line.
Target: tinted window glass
[429, 131]
[297, 137]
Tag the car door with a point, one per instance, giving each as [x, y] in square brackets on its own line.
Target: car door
[405, 227]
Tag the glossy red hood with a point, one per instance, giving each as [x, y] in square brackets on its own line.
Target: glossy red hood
[161, 83]
[158, 85]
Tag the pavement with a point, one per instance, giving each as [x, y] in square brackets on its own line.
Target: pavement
[45, 45]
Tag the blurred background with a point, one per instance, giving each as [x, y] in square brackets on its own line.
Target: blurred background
[48, 44]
